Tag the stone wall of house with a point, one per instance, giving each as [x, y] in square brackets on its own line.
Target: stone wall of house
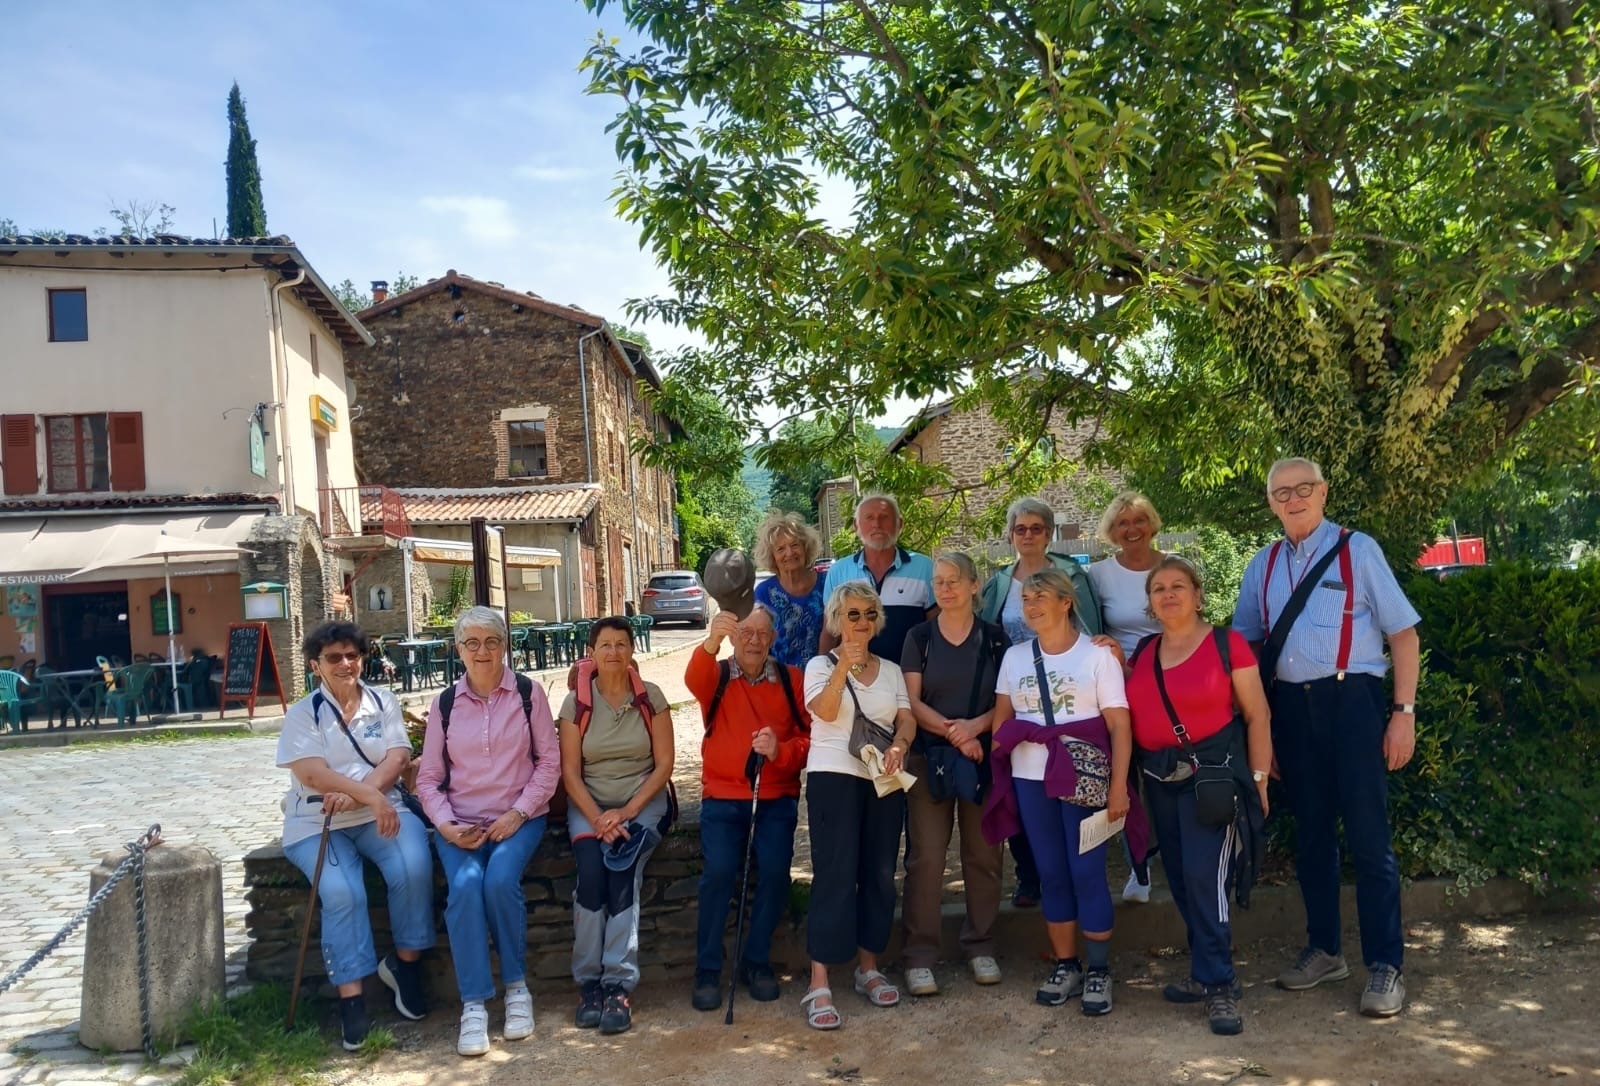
[386, 571]
[288, 551]
[445, 376]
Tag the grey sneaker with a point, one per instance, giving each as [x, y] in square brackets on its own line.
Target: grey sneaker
[1385, 994]
[1222, 1010]
[1097, 993]
[1189, 990]
[1313, 967]
[1066, 981]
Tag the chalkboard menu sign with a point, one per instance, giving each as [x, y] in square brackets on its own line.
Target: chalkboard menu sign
[249, 669]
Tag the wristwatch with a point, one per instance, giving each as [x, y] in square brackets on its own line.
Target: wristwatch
[1258, 775]
[1407, 707]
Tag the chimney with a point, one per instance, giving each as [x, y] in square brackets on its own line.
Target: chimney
[380, 290]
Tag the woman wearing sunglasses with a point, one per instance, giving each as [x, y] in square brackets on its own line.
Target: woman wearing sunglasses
[855, 832]
[1030, 525]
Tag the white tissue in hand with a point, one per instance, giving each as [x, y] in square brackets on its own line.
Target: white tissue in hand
[884, 781]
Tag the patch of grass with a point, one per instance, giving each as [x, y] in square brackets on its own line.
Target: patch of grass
[162, 737]
[379, 1040]
[241, 1042]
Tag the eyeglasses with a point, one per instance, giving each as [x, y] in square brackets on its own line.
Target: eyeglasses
[340, 657]
[493, 644]
[1027, 529]
[755, 635]
[1300, 490]
[856, 616]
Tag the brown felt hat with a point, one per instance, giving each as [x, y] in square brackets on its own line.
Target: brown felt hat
[730, 578]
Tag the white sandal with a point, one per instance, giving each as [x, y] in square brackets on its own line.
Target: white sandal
[817, 1017]
[883, 994]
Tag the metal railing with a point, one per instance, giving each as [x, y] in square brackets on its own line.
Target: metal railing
[346, 511]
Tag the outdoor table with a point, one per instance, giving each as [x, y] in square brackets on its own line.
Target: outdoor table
[425, 646]
[73, 690]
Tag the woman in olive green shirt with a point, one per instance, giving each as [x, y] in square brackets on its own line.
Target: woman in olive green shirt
[616, 762]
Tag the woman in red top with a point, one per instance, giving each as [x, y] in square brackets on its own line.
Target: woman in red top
[1205, 697]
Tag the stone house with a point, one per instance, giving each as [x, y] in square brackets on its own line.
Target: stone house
[970, 442]
[167, 385]
[474, 390]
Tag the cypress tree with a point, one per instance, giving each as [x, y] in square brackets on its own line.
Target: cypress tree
[247, 217]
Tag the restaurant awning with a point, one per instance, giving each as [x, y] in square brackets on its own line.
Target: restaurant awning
[454, 552]
[49, 549]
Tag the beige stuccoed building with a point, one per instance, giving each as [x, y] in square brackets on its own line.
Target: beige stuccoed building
[178, 385]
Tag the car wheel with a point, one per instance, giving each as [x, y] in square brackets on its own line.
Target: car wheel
[698, 623]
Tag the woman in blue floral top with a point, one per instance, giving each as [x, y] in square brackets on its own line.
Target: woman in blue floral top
[789, 546]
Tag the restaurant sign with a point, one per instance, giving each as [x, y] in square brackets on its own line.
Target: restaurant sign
[324, 414]
[258, 449]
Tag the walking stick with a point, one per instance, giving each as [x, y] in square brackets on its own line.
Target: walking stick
[305, 929]
[744, 891]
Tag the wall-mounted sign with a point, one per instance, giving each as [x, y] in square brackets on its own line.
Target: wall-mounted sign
[258, 449]
[324, 414]
[158, 613]
[264, 600]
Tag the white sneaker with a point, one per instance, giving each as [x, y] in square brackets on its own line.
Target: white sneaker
[1136, 892]
[519, 1013]
[985, 970]
[920, 982]
[474, 1038]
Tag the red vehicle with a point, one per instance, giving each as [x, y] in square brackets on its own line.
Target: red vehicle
[1460, 551]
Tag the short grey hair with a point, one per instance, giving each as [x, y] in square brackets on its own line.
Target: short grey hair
[961, 561]
[481, 618]
[1295, 462]
[833, 615]
[877, 496]
[1128, 499]
[790, 524]
[1031, 507]
[762, 609]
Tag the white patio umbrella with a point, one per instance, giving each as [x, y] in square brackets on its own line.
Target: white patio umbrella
[123, 551]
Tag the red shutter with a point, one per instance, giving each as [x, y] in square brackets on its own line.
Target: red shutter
[125, 434]
[20, 454]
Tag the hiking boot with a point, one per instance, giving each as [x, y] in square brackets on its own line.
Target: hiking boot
[353, 1019]
[616, 1012]
[1386, 992]
[1311, 969]
[1065, 981]
[707, 992]
[473, 1039]
[1222, 1010]
[1097, 993]
[985, 970]
[519, 1013]
[1136, 892]
[1189, 990]
[590, 997]
[763, 982]
[404, 979]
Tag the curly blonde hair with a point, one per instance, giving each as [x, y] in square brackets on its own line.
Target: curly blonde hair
[789, 524]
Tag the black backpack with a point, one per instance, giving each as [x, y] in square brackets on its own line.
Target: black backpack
[725, 676]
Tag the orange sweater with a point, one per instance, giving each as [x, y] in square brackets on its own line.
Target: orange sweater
[745, 710]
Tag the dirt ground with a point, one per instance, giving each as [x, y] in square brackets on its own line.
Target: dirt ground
[1496, 1001]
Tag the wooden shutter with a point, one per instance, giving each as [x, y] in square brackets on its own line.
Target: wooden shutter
[19, 453]
[125, 435]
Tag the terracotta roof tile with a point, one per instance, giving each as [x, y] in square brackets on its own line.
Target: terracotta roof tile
[504, 504]
[132, 501]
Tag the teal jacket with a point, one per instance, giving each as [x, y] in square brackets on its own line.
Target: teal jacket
[1084, 605]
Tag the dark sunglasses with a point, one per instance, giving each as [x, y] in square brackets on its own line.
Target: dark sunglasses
[340, 657]
[857, 616]
[1027, 529]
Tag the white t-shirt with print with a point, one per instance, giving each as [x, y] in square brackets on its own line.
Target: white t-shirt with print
[880, 700]
[1084, 681]
[377, 726]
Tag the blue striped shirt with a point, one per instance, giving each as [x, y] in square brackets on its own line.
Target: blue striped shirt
[906, 591]
[1312, 648]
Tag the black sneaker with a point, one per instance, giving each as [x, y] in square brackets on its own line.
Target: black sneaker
[589, 1006]
[616, 1014]
[404, 979]
[353, 1019]
[1222, 1010]
[1189, 990]
[1026, 897]
[762, 980]
[707, 993]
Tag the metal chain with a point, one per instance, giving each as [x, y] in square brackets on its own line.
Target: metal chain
[136, 852]
[135, 858]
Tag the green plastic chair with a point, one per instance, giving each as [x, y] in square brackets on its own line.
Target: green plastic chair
[641, 630]
[130, 695]
[16, 696]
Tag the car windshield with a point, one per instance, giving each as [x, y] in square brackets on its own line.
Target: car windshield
[681, 580]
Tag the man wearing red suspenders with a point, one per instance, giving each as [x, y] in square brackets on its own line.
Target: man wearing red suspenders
[1319, 605]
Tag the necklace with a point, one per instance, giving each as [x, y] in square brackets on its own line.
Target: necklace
[857, 669]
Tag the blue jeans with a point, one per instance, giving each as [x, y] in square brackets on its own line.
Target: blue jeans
[486, 901]
[724, 831]
[347, 948]
[1072, 884]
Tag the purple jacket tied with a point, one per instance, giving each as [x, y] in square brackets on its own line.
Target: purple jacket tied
[1001, 818]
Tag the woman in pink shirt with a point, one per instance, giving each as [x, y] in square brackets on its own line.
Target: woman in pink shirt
[490, 764]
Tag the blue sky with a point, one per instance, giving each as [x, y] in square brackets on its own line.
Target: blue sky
[398, 136]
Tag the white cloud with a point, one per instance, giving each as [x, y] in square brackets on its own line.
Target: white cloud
[549, 175]
[484, 219]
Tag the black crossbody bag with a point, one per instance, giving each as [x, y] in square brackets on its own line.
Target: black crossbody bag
[1272, 648]
[407, 796]
[1216, 786]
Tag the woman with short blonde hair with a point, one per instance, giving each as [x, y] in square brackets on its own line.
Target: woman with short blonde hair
[788, 546]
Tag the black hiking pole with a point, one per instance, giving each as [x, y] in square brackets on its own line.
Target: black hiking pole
[744, 892]
[305, 929]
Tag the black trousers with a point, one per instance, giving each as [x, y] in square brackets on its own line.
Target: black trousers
[855, 840]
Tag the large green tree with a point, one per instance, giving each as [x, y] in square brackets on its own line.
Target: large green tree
[1362, 232]
[247, 215]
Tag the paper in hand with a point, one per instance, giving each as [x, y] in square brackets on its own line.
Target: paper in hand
[1096, 830]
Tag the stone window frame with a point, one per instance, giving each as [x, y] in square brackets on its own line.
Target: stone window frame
[502, 440]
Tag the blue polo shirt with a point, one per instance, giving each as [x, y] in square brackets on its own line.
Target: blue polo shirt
[906, 591]
[1312, 648]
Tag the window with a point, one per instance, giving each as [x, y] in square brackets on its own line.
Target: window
[69, 315]
[526, 455]
[95, 452]
[315, 368]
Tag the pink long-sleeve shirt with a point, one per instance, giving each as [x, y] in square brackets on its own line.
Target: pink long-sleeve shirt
[490, 770]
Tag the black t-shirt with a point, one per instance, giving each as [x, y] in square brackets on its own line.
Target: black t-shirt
[951, 672]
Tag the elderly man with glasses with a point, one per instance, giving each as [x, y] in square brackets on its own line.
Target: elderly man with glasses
[751, 706]
[1319, 605]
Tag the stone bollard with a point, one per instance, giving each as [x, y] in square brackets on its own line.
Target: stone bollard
[183, 922]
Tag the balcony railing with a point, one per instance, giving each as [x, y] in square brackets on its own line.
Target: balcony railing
[347, 511]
